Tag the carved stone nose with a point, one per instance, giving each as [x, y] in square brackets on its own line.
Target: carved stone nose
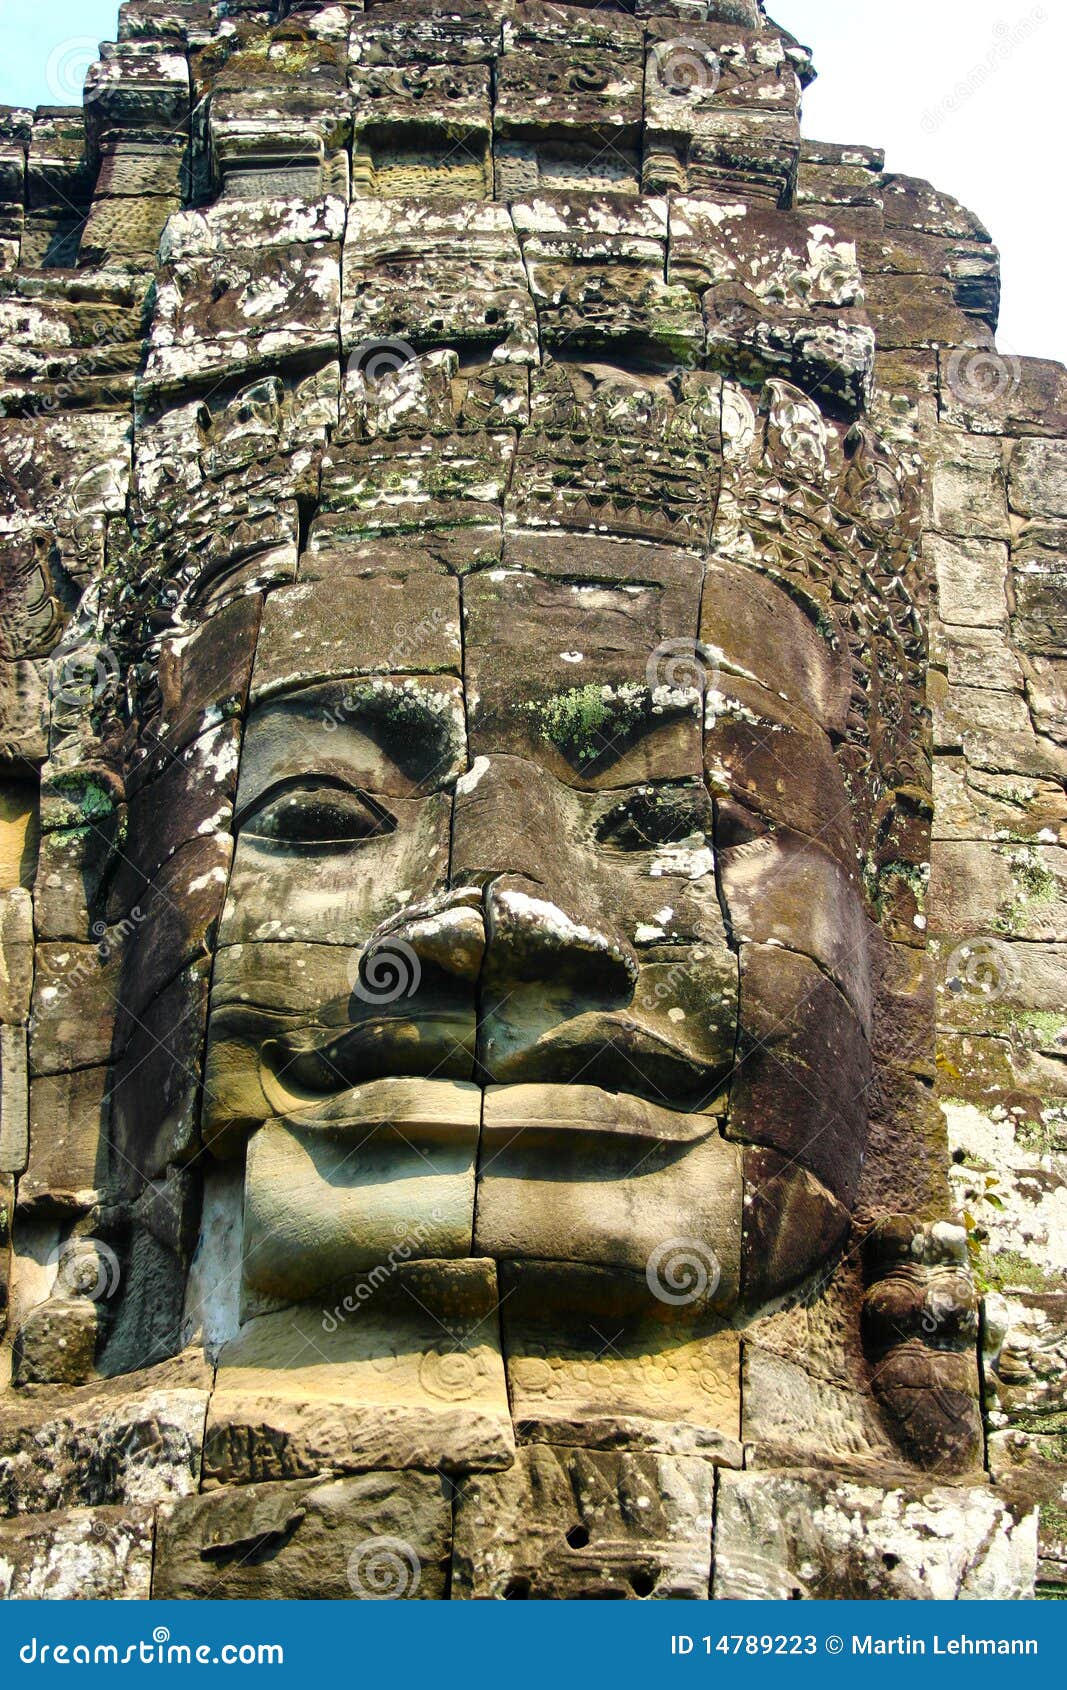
[446, 933]
[531, 939]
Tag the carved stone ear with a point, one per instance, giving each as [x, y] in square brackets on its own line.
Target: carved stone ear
[920, 1331]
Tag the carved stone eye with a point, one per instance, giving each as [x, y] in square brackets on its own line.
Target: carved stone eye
[650, 819]
[321, 815]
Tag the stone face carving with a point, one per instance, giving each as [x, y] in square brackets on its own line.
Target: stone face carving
[528, 753]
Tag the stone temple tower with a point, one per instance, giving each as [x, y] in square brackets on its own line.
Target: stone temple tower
[533, 905]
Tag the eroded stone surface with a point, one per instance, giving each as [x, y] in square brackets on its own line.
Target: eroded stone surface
[133, 1441]
[400, 1367]
[378, 1536]
[83, 1555]
[805, 1535]
[571, 1524]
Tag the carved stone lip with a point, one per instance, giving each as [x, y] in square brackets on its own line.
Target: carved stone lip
[303, 1070]
[587, 1049]
[553, 1110]
[399, 1105]
[433, 1108]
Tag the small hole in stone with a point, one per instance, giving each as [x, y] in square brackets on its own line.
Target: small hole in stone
[577, 1537]
[642, 1584]
[517, 1590]
[890, 1561]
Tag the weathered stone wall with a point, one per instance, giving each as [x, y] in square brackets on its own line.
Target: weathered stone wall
[406, 367]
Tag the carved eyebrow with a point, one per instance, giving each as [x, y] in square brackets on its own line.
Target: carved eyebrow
[578, 579]
[598, 722]
[330, 706]
[352, 695]
[319, 728]
[355, 700]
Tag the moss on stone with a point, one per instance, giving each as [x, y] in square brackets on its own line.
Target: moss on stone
[1038, 885]
[1054, 1519]
[96, 802]
[1036, 1137]
[1049, 1027]
[1033, 885]
[84, 805]
[878, 882]
[572, 720]
[1001, 1269]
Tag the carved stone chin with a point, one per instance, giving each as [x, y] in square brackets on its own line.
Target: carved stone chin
[527, 985]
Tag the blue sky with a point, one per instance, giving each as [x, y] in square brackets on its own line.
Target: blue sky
[967, 93]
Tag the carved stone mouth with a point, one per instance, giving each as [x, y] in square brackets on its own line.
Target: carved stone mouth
[304, 1069]
[411, 1107]
[405, 1169]
[305, 1066]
